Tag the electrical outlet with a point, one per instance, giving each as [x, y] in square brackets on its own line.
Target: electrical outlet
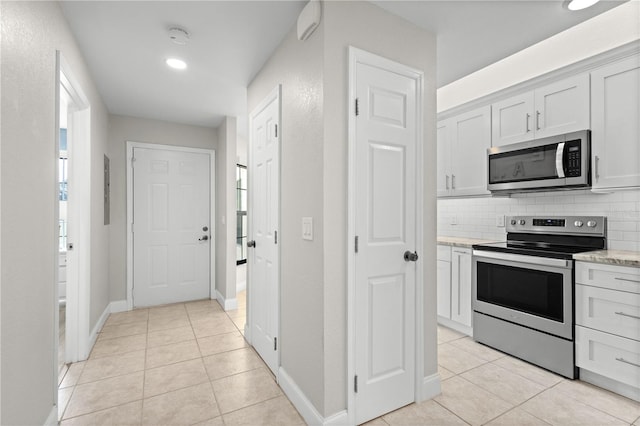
[454, 220]
[500, 221]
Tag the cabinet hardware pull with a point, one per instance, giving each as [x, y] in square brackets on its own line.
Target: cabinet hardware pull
[453, 181]
[447, 184]
[597, 168]
[537, 120]
[528, 116]
[627, 362]
[627, 315]
[628, 280]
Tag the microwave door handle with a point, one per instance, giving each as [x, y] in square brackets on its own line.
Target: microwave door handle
[560, 160]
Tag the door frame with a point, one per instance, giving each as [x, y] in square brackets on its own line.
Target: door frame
[77, 339]
[131, 145]
[359, 56]
[275, 94]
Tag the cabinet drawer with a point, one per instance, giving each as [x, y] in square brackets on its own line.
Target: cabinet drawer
[615, 312]
[444, 253]
[622, 278]
[611, 356]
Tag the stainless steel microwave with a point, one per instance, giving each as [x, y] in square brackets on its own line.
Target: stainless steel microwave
[556, 162]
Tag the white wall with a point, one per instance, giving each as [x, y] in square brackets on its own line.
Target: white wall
[123, 129]
[226, 209]
[298, 67]
[314, 78]
[476, 217]
[606, 31]
[31, 34]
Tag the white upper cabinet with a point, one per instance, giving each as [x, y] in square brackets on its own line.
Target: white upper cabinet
[615, 130]
[511, 120]
[444, 156]
[554, 109]
[462, 153]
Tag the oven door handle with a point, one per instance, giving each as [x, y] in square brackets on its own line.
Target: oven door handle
[534, 260]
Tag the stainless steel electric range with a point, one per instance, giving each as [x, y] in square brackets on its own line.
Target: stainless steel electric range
[523, 289]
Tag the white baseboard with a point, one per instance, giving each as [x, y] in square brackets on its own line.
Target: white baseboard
[340, 418]
[227, 304]
[610, 384]
[94, 333]
[431, 387]
[299, 399]
[305, 407]
[52, 419]
[455, 326]
[118, 306]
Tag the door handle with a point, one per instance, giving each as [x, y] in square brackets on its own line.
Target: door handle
[410, 257]
[251, 243]
[203, 238]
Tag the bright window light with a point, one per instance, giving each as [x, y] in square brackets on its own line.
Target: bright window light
[581, 4]
[176, 63]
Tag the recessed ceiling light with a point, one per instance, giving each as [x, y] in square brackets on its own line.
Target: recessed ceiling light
[176, 63]
[581, 4]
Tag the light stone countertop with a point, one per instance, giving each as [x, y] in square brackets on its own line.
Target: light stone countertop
[611, 257]
[462, 241]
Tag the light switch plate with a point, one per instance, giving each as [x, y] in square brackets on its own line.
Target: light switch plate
[307, 228]
[500, 221]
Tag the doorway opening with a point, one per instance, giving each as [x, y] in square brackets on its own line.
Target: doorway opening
[72, 221]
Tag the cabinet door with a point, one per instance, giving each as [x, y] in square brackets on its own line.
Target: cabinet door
[461, 286]
[444, 156]
[444, 288]
[471, 138]
[511, 120]
[562, 107]
[615, 130]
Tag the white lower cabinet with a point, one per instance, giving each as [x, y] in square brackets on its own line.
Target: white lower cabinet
[608, 326]
[454, 288]
[444, 281]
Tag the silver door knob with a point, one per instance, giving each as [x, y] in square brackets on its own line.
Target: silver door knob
[251, 243]
[410, 257]
[203, 238]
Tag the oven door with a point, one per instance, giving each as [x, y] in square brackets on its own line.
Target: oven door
[535, 292]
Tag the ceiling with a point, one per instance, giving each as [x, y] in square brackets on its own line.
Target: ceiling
[125, 44]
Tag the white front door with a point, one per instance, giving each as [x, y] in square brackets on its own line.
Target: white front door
[171, 229]
[264, 219]
[385, 191]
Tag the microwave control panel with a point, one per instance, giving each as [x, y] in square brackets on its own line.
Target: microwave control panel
[572, 159]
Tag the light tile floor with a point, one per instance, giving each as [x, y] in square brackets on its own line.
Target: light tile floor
[484, 386]
[188, 363]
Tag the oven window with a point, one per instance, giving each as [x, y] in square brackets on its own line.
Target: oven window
[526, 290]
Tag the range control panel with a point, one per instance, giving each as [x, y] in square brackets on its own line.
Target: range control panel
[577, 225]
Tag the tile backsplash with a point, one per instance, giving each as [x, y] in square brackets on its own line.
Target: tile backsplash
[480, 217]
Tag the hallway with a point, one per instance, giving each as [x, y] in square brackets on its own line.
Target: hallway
[185, 363]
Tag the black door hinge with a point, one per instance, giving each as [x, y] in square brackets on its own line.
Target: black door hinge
[355, 383]
[276, 130]
[275, 343]
[357, 107]
[356, 244]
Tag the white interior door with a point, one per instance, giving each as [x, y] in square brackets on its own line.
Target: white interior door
[171, 229]
[385, 226]
[264, 219]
